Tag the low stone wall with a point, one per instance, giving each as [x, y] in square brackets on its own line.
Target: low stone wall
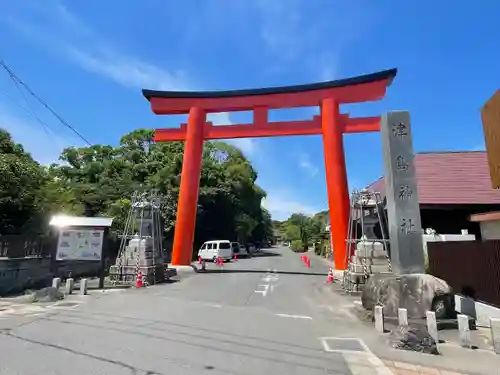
[480, 311]
[18, 274]
[23, 273]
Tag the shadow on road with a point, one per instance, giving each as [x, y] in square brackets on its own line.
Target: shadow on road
[195, 336]
[265, 253]
[263, 271]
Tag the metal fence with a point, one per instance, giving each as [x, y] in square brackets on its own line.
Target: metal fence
[19, 246]
[16, 246]
[471, 268]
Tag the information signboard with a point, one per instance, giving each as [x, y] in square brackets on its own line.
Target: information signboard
[80, 244]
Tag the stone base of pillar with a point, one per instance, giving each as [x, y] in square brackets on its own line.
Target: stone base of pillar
[152, 275]
[184, 270]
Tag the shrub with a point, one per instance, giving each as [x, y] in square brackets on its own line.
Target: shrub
[297, 246]
[317, 249]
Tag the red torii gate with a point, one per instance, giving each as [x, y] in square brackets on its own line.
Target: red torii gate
[331, 124]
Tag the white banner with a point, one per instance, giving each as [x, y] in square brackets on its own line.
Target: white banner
[80, 244]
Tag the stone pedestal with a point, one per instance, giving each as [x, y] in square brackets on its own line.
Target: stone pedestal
[369, 258]
[128, 275]
[139, 252]
[418, 293]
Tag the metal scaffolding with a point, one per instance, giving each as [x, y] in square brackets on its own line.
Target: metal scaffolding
[367, 243]
[141, 240]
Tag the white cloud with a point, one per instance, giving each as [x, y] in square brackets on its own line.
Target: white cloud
[64, 33]
[126, 70]
[281, 205]
[44, 145]
[287, 31]
[306, 164]
[479, 147]
[81, 45]
[280, 26]
[247, 145]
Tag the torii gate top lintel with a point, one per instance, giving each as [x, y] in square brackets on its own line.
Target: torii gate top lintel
[363, 88]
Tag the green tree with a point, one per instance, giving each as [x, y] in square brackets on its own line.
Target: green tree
[103, 179]
[99, 180]
[306, 230]
[21, 179]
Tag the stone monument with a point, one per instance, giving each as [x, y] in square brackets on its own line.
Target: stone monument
[405, 228]
[410, 287]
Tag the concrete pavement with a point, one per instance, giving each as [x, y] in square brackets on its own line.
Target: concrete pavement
[265, 315]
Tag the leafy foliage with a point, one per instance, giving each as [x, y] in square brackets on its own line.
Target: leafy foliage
[99, 180]
[20, 180]
[303, 231]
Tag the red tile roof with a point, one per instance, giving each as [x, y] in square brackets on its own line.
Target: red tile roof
[451, 178]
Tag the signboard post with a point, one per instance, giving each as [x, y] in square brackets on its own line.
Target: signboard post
[490, 115]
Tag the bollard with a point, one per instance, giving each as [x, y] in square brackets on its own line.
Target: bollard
[464, 331]
[378, 314]
[495, 334]
[432, 325]
[56, 282]
[402, 317]
[83, 286]
[70, 283]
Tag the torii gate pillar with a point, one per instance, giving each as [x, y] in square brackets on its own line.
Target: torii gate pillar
[189, 188]
[336, 178]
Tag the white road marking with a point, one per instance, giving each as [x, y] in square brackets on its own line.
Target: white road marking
[294, 316]
[269, 278]
[264, 292]
[343, 310]
[357, 360]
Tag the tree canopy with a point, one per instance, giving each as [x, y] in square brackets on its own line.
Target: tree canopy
[100, 180]
[303, 231]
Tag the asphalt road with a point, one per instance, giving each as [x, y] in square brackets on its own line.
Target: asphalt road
[264, 315]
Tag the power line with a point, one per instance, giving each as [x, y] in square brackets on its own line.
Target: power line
[31, 111]
[17, 81]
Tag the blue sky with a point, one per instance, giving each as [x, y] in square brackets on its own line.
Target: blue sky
[89, 59]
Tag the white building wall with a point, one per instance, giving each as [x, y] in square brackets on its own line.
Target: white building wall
[490, 230]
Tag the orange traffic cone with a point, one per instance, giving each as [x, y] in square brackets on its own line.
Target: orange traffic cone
[330, 276]
[138, 280]
[308, 262]
[235, 257]
[200, 260]
[220, 261]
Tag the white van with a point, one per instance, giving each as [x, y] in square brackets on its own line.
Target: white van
[211, 250]
[239, 250]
